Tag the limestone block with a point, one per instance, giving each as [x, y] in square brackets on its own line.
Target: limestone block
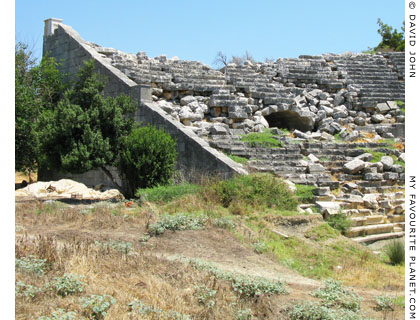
[328, 208]
[370, 201]
[187, 100]
[377, 118]
[387, 161]
[371, 176]
[218, 130]
[354, 166]
[402, 157]
[329, 111]
[391, 176]
[365, 156]
[299, 134]
[321, 191]
[397, 168]
[382, 108]
[315, 168]
[313, 158]
[360, 121]
[338, 99]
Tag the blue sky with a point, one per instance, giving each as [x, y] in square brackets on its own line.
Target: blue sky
[197, 30]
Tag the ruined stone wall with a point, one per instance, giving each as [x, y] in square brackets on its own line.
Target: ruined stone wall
[67, 47]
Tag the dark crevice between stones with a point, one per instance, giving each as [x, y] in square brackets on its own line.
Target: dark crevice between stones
[289, 120]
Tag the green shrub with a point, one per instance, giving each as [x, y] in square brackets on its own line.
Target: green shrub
[224, 223]
[259, 247]
[205, 296]
[31, 265]
[264, 139]
[148, 158]
[258, 190]
[238, 159]
[26, 290]
[68, 284]
[396, 252]
[333, 294]
[304, 192]
[60, 314]
[166, 193]
[179, 221]
[384, 303]
[317, 311]
[137, 306]
[96, 306]
[340, 222]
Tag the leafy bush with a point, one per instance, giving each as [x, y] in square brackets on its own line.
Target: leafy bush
[340, 222]
[120, 246]
[316, 311]
[26, 290]
[60, 314]
[31, 265]
[166, 193]
[224, 223]
[205, 295]
[245, 286]
[304, 193]
[396, 252]
[148, 158]
[177, 222]
[96, 306]
[259, 190]
[264, 139]
[68, 284]
[259, 247]
[137, 306]
[333, 294]
[384, 303]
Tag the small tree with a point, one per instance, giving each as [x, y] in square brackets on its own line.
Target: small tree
[148, 158]
[85, 130]
[391, 39]
[220, 60]
[37, 88]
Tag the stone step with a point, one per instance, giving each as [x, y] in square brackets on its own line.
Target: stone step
[368, 220]
[377, 237]
[370, 229]
[396, 218]
[357, 212]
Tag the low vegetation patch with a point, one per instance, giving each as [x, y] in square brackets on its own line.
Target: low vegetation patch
[238, 159]
[254, 190]
[264, 139]
[166, 193]
[322, 232]
[177, 222]
[305, 193]
[340, 222]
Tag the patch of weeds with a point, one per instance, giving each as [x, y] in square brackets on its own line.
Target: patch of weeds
[245, 286]
[31, 265]
[19, 228]
[68, 284]
[120, 246]
[238, 159]
[305, 193]
[338, 138]
[96, 306]
[145, 238]
[60, 314]
[396, 252]
[385, 303]
[175, 222]
[258, 190]
[340, 222]
[205, 296]
[264, 139]
[137, 306]
[26, 290]
[334, 294]
[317, 311]
[243, 314]
[321, 232]
[259, 247]
[224, 223]
[166, 193]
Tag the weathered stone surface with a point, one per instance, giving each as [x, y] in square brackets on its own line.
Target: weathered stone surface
[372, 176]
[354, 166]
[387, 161]
[328, 208]
[315, 168]
[382, 108]
[365, 157]
[377, 118]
